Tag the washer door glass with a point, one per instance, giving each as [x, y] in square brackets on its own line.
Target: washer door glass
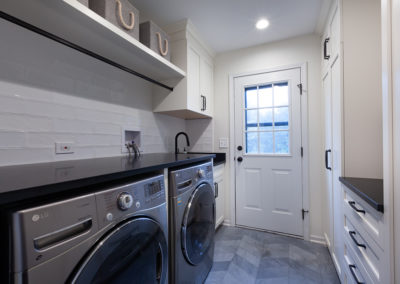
[133, 252]
[199, 224]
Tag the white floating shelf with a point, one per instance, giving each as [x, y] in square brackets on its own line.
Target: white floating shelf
[76, 23]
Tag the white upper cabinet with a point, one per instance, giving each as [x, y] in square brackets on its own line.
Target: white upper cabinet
[193, 96]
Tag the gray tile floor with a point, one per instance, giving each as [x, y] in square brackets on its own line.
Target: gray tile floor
[248, 256]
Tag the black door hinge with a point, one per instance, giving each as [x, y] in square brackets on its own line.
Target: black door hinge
[301, 88]
[301, 152]
[303, 212]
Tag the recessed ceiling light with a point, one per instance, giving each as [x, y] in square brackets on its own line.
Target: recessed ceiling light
[262, 24]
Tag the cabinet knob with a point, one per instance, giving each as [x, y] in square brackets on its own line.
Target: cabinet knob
[240, 148]
[240, 159]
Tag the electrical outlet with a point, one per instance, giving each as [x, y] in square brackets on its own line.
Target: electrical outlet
[223, 143]
[64, 147]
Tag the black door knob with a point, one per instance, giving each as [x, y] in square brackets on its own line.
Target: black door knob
[240, 148]
[240, 159]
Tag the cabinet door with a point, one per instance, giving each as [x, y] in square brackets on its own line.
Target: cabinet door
[220, 196]
[193, 80]
[328, 200]
[334, 40]
[325, 50]
[337, 117]
[219, 201]
[206, 86]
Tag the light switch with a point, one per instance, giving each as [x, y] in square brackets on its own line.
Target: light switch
[223, 143]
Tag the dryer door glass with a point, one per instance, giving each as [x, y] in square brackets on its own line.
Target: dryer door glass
[133, 252]
[199, 224]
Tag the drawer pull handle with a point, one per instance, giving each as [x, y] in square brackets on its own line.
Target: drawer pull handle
[352, 233]
[353, 205]
[352, 267]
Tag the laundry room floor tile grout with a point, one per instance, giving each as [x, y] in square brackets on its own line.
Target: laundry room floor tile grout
[250, 256]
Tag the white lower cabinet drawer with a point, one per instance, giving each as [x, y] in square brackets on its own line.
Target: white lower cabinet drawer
[364, 216]
[366, 250]
[354, 272]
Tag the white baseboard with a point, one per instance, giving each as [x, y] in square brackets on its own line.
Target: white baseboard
[327, 241]
[318, 239]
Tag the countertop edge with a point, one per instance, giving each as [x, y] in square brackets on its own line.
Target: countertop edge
[372, 202]
[63, 186]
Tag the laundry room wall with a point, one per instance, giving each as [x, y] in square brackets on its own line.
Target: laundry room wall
[50, 93]
[287, 52]
[200, 132]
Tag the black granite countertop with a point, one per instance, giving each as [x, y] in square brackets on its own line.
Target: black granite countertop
[370, 190]
[22, 182]
[220, 158]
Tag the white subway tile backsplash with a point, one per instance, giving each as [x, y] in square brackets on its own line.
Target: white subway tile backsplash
[12, 139]
[18, 122]
[25, 155]
[47, 139]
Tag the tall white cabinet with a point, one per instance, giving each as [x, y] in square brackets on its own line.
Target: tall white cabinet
[331, 86]
[351, 90]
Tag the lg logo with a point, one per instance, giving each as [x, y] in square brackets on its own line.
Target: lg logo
[42, 215]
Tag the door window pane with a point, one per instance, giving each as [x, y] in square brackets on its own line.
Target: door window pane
[265, 115]
[252, 142]
[267, 119]
[266, 142]
[281, 94]
[282, 142]
[281, 117]
[265, 96]
[251, 97]
[251, 119]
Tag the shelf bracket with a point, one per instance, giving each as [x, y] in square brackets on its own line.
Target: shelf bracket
[81, 49]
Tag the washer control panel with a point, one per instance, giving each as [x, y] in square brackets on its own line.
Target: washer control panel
[125, 200]
[181, 180]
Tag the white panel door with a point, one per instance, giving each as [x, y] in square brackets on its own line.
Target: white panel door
[267, 144]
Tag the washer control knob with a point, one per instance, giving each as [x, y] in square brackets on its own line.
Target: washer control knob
[109, 216]
[125, 201]
[201, 173]
[137, 204]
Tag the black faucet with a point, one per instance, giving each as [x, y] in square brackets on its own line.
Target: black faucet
[176, 141]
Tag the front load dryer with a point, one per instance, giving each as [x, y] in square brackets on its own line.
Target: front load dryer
[191, 204]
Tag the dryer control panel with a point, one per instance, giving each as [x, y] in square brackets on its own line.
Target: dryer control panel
[125, 200]
[181, 180]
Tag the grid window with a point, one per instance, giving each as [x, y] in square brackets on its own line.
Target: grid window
[267, 116]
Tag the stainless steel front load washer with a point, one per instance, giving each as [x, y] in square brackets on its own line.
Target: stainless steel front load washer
[191, 203]
[116, 235]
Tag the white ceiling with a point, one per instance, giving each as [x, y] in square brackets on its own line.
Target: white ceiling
[229, 24]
